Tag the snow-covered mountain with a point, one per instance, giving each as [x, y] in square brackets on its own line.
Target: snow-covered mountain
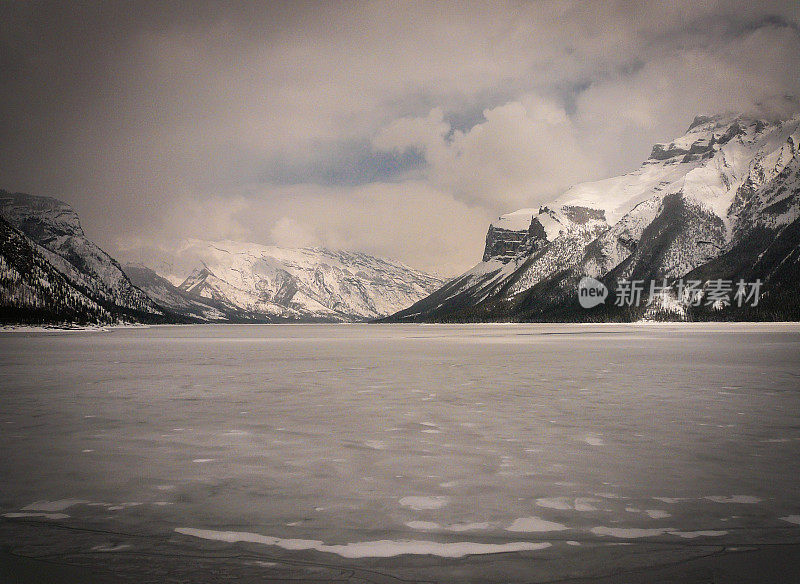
[178, 301]
[720, 202]
[49, 270]
[47, 231]
[310, 284]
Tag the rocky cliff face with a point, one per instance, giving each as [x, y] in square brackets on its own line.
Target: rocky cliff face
[504, 244]
[32, 291]
[721, 201]
[53, 229]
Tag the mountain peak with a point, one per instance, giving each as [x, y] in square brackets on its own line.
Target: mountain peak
[27, 211]
[720, 201]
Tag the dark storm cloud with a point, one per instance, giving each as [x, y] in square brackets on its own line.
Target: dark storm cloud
[395, 129]
[344, 164]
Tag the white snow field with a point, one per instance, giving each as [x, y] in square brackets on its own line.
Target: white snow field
[380, 453]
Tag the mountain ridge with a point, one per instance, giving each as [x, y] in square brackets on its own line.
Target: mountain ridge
[693, 200]
[311, 283]
[52, 228]
[267, 283]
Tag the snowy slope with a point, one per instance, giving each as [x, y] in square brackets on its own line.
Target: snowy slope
[178, 301]
[727, 180]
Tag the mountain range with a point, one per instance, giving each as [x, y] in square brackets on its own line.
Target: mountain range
[51, 272]
[719, 205]
[241, 282]
[714, 207]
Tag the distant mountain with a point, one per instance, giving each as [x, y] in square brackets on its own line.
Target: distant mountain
[51, 272]
[44, 235]
[721, 202]
[273, 284]
[176, 300]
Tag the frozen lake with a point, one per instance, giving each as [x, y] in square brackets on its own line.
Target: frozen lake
[374, 453]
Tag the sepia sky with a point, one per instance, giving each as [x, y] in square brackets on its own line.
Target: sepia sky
[398, 129]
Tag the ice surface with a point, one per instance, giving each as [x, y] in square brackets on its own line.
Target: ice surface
[302, 453]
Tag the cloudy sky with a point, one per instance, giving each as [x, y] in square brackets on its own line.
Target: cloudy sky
[399, 129]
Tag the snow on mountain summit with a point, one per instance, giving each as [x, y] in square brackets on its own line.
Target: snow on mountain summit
[301, 284]
[231, 281]
[717, 196]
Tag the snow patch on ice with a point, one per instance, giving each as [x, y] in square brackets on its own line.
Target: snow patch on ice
[566, 504]
[44, 515]
[51, 506]
[792, 519]
[423, 525]
[672, 500]
[741, 499]
[657, 513]
[531, 524]
[584, 504]
[423, 503]
[368, 549]
[693, 534]
[610, 496]
[111, 548]
[459, 527]
[628, 532]
[636, 532]
[554, 503]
